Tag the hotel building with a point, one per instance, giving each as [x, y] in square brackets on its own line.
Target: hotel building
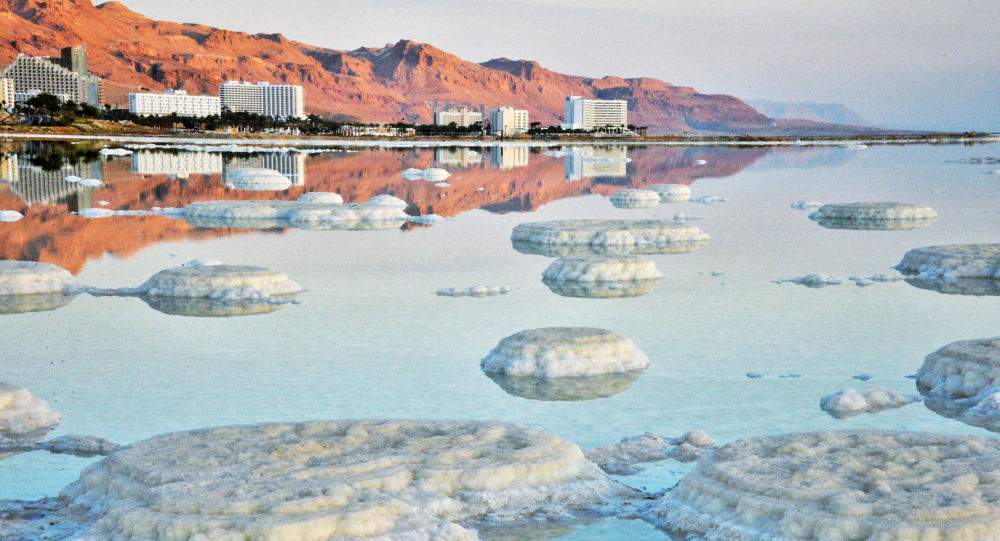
[588, 114]
[277, 101]
[33, 75]
[506, 121]
[176, 102]
[509, 156]
[462, 117]
[6, 93]
[177, 164]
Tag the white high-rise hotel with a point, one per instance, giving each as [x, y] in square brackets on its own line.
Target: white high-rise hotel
[176, 102]
[506, 121]
[587, 114]
[278, 101]
[32, 75]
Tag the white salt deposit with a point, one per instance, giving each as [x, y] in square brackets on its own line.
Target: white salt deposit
[672, 193]
[91, 183]
[72, 179]
[115, 152]
[252, 179]
[601, 269]
[615, 236]
[635, 199]
[413, 174]
[825, 486]
[382, 208]
[624, 457]
[558, 352]
[23, 416]
[32, 278]
[709, 200]
[952, 262]
[10, 216]
[321, 198]
[338, 480]
[812, 280]
[864, 281]
[426, 219]
[443, 185]
[850, 402]
[218, 282]
[805, 205]
[83, 446]
[434, 174]
[387, 201]
[700, 162]
[964, 376]
[103, 203]
[474, 291]
[878, 215]
[96, 213]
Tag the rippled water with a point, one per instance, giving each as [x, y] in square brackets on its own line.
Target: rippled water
[370, 338]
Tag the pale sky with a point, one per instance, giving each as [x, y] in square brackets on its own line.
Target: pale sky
[902, 64]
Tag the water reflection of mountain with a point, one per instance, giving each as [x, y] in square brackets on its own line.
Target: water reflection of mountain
[48, 233]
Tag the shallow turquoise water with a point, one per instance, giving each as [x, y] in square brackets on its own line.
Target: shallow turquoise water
[371, 340]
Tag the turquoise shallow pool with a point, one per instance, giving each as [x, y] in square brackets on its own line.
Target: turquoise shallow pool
[370, 338]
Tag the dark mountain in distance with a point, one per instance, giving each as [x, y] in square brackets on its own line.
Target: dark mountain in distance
[836, 113]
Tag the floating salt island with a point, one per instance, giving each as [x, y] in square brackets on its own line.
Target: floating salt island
[317, 210]
[321, 198]
[875, 216]
[962, 380]
[952, 262]
[850, 402]
[256, 180]
[334, 480]
[672, 193]
[559, 352]
[474, 291]
[23, 416]
[606, 237]
[34, 278]
[601, 277]
[876, 485]
[10, 216]
[432, 174]
[635, 199]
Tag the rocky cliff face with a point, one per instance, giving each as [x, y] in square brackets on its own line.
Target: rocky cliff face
[406, 80]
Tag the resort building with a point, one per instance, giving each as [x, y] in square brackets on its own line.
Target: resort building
[176, 102]
[510, 156]
[33, 75]
[36, 186]
[587, 114]
[506, 121]
[8, 167]
[380, 130]
[462, 117]
[176, 164]
[6, 93]
[279, 101]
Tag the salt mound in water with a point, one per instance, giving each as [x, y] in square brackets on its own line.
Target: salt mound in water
[624, 457]
[877, 485]
[256, 180]
[10, 216]
[39, 302]
[601, 269]
[321, 198]
[474, 291]
[557, 352]
[219, 282]
[338, 480]
[635, 199]
[879, 215]
[620, 237]
[23, 416]
[671, 193]
[963, 379]
[850, 402]
[33, 278]
[953, 261]
[565, 389]
[958, 286]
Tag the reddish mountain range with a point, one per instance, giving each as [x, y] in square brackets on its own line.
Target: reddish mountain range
[406, 80]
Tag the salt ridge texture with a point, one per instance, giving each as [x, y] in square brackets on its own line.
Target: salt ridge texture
[256, 180]
[216, 282]
[556, 352]
[378, 212]
[874, 215]
[841, 485]
[601, 269]
[671, 193]
[812, 280]
[32, 278]
[952, 261]
[607, 236]
[635, 199]
[23, 416]
[964, 378]
[337, 480]
[624, 457]
[474, 291]
[850, 402]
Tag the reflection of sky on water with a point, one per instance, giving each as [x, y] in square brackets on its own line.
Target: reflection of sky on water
[370, 339]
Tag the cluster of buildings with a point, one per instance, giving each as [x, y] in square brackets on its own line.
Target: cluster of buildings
[65, 76]
[579, 114]
[277, 101]
[504, 121]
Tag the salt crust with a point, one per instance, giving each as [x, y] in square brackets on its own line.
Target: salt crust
[474, 291]
[812, 280]
[33, 278]
[964, 377]
[958, 286]
[850, 402]
[23, 416]
[38, 302]
[321, 198]
[564, 389]
[256, 180]
[380, 211]
[557, 352]
[671, 193]
[9, 216]
[601, 290]
[839, 486]
[806, 205]
[952, 261]
[709, 200]
[607, 236]
[204, 307]
[337, 480]
[624, 457]
[635, 199]
[601, 269]
[874, 215]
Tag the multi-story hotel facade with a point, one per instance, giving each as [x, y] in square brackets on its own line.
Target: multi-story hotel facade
[7, 95]
[279, 101]
[506, 121]
[33, 75]
[176, 102]
[588, 114]
[462, 117]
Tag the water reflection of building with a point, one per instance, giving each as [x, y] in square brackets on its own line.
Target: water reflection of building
[457, 157]
[8, 167]
[590, 161]
[290, 164]
[509, 157]
[36, 186]
[179, 164]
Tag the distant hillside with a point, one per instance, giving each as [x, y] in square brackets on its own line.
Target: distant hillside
[835, 113]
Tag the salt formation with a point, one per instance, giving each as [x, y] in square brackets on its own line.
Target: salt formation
[558, 352]
[601, 269]
[433, 174]
[874, 216]
[980, 261]
[442, 185]
[635, 199]
[624, 457]
[321, 198]
[230, 283]
[700, 162]
[23, 416]
[812, 280]
[202, 307]
[566, 389]
[10, 216]
[863, 281]
[338, 480]
[91, 183]
[72, 179]
[958, 286]
[252, 179]
[806, 205]
[568, 237]
[850, 402]
[672, 193]
[709, 200]
[473, 291]
[378, 212]
[96, 213]
[963, 378]
[115, 152]
[38, 302]
[840, 485]
[33, 278]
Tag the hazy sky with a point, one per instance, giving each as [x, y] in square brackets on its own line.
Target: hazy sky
[906, 64]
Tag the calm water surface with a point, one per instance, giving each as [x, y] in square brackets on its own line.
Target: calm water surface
[371, 340]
